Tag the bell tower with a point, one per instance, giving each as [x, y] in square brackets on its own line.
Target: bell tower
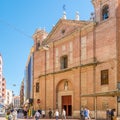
[38, 37]
[105, 9]
[107, 17]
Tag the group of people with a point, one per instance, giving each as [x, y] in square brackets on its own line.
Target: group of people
[39, 114]
[50, 113]
[11, 115]
[63, 114]
[85, 114]
[110, 114]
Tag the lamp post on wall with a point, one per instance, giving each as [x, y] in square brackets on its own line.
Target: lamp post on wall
[45, 47]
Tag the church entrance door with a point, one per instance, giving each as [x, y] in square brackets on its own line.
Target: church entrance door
[67, 104]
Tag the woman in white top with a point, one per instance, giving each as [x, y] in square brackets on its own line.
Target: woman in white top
[56, 114]
[64, 114]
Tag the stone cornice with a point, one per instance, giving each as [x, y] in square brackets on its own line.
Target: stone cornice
[78, 66]
[69, 69]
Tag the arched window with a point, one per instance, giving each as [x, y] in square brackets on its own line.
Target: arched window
[105, 12]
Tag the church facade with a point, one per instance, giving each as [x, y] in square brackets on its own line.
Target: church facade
[78, 63]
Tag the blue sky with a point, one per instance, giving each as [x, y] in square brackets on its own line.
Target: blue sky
[18, 21]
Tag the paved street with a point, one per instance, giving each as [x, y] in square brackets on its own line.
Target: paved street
[3, 118]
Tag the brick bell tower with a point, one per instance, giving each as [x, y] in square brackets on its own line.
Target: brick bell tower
[118, 39]
[105, 9]
[108, 12]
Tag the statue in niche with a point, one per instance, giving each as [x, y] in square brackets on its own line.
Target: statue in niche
[65, 85]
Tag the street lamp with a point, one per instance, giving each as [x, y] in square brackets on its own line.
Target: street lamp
[14, 85]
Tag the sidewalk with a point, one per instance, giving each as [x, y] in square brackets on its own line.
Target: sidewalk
[49, 119]
[3, 118]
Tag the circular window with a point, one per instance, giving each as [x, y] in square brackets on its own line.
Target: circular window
[63, 31]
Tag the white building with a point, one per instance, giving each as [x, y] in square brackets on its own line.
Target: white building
[9, 97]
[1, 76]
[16, 103]
[2, 83]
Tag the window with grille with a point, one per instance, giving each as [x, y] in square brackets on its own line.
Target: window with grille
[64, 62]
[37, 87]
[104, 77]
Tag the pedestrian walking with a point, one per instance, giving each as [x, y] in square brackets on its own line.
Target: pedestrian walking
[10, 116]
[15, 114]
[37, 115]
[86, 114]
[25, 113]
[50, 113]
[113, 114]
[56, 114]
[7, 115]
[43, 113]
[108, 114]
[82, 113]
[63, 114]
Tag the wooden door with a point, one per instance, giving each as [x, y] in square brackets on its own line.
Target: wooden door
[67, 104]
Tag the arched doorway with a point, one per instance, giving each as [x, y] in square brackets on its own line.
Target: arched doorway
[65, 96]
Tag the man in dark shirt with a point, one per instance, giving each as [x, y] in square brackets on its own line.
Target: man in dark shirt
[112, 114]
[50, 113]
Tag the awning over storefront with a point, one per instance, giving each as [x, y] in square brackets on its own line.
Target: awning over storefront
[103, 94]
